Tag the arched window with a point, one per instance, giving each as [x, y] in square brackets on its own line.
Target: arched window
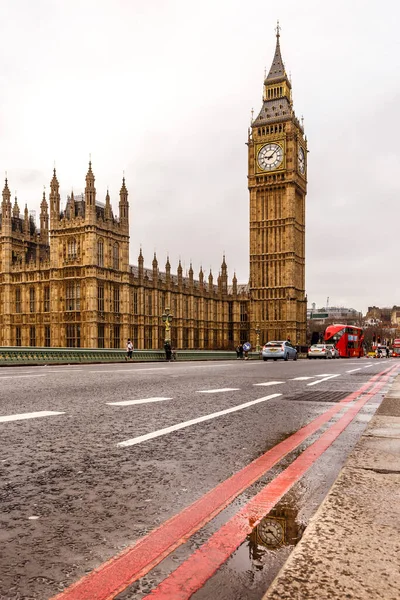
[100, 253]
[116, 256]
[71, 248]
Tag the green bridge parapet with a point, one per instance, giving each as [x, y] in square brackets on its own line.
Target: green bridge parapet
[18, 355]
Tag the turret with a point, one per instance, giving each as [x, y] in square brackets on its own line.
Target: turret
[210, 282]
[224, 276]
[90, 194]
[6, 208]
[54, 200]
[155, 270]
[140, 265]
[124, 205]
[234, 285]
[179, 271]
[108, 210]
[168, 272]
[26, 221]
[15, 210]
[44, 221]
[201, 278]
[191, 276]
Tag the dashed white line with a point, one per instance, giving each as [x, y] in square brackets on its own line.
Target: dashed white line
[217, 391]
[324, 379]
[354, 370]
[141, 401]
[160, 432]
[20, 376]
[302, 378]
[33, 415]
[269, 383]
[367, 366]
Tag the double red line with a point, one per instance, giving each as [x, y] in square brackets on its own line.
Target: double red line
[111, 578]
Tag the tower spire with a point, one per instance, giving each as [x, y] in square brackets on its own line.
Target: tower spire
[277, 70]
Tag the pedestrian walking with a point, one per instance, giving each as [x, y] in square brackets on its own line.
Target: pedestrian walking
[129, 349]
[168, 350]
[239, 350]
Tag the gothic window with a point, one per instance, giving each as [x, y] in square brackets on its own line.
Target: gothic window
[135, 302]
[18, 300]
[47, 338]
[71, 248]
[100, 300]
[186, 309]
[100, 253]
[116, 303]
[46, 299]
[100, 335]
[243, 312]
[147, 337]
[32, 300]
[185, 337]
[73, 336]
[73, 296]
[147, 303]
[115, 253]
[32, 336]
[18, 341]
[116, 336]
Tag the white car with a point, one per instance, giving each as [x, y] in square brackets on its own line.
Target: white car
[319, 351]
[335, 351]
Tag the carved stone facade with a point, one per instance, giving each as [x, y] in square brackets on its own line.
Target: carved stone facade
[69, 283]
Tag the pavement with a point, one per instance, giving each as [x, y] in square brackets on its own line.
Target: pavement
[351, 547]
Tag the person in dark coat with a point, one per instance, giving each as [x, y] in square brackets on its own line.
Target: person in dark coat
[168, 350]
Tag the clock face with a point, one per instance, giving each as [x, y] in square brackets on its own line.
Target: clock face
[271, 532]
[270, 157]
[301, 160]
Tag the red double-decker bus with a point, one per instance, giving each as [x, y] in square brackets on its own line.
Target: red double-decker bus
[347, 339]
[396, 348]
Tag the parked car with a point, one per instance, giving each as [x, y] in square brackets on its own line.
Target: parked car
[279, 349]
[319, 351]
[335, 351]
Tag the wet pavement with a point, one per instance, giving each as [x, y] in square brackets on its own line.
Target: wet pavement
[351, 548]
[71, 498]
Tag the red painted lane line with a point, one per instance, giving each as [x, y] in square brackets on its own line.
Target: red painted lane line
[192, 574]
[113, 576]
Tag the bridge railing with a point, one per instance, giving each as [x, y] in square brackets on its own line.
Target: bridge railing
[24, 355]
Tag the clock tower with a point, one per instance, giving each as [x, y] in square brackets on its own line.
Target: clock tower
[277, 180]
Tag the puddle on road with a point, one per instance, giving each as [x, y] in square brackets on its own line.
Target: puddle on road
[252, 568]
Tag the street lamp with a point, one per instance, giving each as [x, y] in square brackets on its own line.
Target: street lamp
[257, 330]
[167, 320]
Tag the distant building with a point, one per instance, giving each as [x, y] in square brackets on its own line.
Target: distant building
[338, 314]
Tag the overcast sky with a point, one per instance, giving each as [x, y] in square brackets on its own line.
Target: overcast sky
[163, 90]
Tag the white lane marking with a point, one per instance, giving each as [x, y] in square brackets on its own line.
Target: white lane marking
[367, 367]
[160, 432]
[218, 390]
[324, 374]
[128, 370]
[33, 415]
[325, 379]
[142, 401]
[269, 383]
[354, 370]
[19, 376]
[302, 378]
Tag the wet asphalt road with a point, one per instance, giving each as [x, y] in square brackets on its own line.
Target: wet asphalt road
[71, 497]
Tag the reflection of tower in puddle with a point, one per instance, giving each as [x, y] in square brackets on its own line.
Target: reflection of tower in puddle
[278, 528]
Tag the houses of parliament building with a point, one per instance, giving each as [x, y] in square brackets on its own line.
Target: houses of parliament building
[69, 283]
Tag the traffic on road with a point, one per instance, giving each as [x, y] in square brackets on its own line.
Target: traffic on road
[181, 480]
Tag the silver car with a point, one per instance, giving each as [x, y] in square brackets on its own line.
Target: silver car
[279, 349]
[320, 351]
[335, 351]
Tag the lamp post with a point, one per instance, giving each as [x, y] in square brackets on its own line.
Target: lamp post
[167, 320]
[257, 330]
